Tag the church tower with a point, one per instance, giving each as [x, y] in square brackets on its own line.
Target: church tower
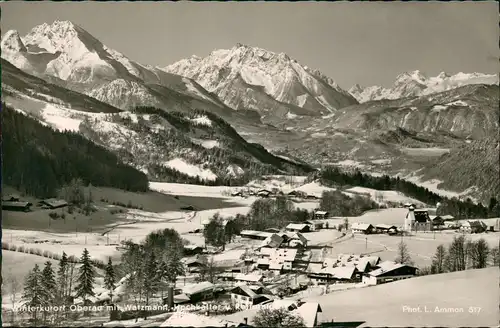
[409, 219]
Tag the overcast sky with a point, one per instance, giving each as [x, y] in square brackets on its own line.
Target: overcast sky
[365, 43]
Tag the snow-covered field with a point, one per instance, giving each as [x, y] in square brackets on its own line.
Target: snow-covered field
[190, 169]
[387, 305]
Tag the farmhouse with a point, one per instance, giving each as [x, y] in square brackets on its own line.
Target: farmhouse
[194, 265]
[199, 292]
[314, 225]
[297, 240]
[385, 228]
[192, 250]
[296, 227]
[321, 215]
[252, 234]
[492, 224]
[297, 193]
[365, 228]
[389, 271]
[16, 206]
[339, 273]
[437, 222]
[244, 296]
[252, 278]
[277, 257]
[263, 193]
[273, 241]
[473, 227]
[11, 198]
[53, 203]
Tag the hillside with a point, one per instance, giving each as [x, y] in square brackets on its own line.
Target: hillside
[38, 160]
[472, 166]
[386, 305]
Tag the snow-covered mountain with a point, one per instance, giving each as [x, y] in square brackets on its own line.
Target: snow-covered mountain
[65, 54]
[246, 77]
[180, 147]
[411, 84]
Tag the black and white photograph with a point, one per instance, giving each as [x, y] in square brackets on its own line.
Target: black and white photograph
[250, 164]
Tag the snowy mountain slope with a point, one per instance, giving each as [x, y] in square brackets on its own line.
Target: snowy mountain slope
[270, 80]
[65, 54]
[170, 146]
[412, 84]
[18, 86]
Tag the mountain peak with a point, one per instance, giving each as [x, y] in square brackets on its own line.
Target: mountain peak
[406, 77]
[11, 41]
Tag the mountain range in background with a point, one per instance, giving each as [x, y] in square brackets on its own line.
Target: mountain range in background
[415, 84]
[298, 114]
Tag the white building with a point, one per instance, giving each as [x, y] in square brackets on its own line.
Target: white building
[409, 220]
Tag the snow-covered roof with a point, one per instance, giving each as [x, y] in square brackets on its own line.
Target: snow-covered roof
[249, 277]
[384, 226]
[255, 233]
[198, 288]
[387, 266]
[280, 255]
[296, 226]
[272, 241]
[188, 319]
[321, 212]
[361, 226]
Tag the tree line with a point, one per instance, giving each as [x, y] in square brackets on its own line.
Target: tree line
[334, 177]
[264, 213]
[60, 157]
[45, 289]
[338, 204]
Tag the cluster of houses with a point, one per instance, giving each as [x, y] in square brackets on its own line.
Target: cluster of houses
[266, 193]
[15, 203]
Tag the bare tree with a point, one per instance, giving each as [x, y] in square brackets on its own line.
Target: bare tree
[12, 287]
[478, 252]
[277, 318]
[495, 256]
[457, 256]
[403, 254]
[438, 261]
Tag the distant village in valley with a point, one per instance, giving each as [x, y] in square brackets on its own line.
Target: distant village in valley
[229, 273]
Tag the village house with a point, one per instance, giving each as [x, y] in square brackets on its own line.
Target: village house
[385, 228]
[437, 222]
[245, 296]
[337, 274]
[297, 240]
[190, 250]
[53, 203]
[199, 292]
[297, 193]
[252, 234]
[321, 215]
[249, 278]
[314, 225]
[11, 198]
[282, 258]
[389, 271]
[365, 228]
[16, 206]
[473, 227]
[273, 241]
[492, 224]
[263, 193]
[194, 265]
[298, 227]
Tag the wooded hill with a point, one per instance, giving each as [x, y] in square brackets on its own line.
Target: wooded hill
[39, 160]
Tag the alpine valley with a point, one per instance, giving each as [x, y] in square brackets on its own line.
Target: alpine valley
[242, 112]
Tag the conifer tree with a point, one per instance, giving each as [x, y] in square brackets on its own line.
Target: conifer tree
[49, 283]
[62, 277]
[110, 279]
[33, 293]
[86, 278]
